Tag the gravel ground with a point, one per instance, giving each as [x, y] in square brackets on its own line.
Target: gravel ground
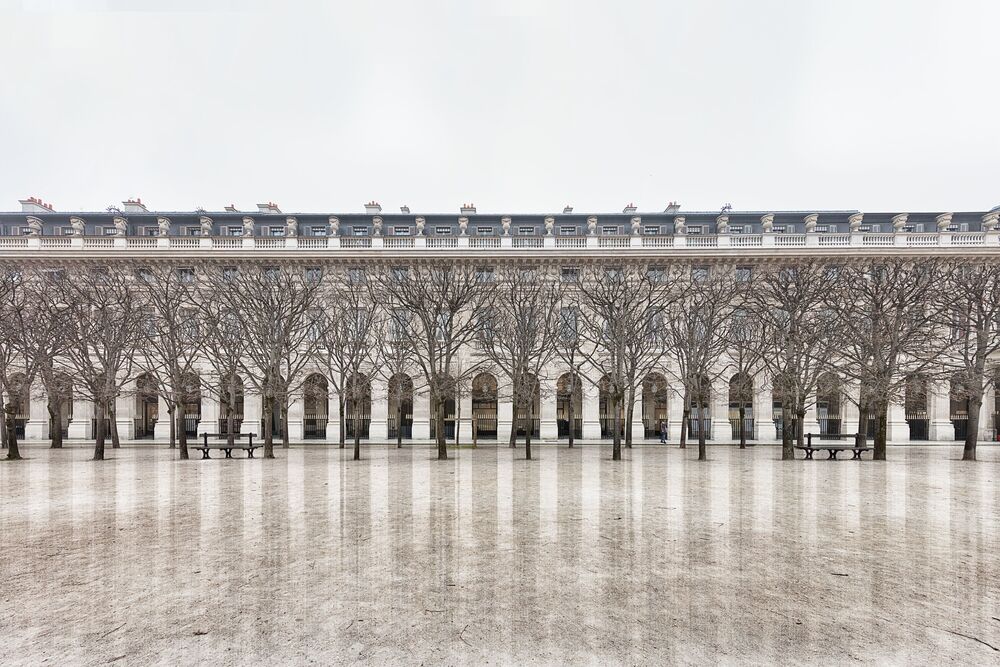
[487, 558]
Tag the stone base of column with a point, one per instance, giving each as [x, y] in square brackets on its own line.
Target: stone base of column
[296, 430]
[161, 429]
[896, 431]
[79, 429]
[942, 430]
[591, 430]
[378, 430]
[548, 430]
[36, 429]
[126, 428]
[766, 430]
[722, 431]
[421, 429]
[638, 431]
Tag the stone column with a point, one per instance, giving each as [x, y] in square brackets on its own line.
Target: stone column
[332, 415]
[896, 427]
[378, 431]
[675, 413]
[812, 417]
[986, 417]
[850, 416]
[638, 426]
[210, 411]
[549, 425]
[81, 427]
[722, 430]
[939, 408]
[37, 427]
[161, 429]
[763, 411]
[464, 414]
[505, 416]
[125, 413]
[252, 414]
[591, 411]
[421, 415]
[296, 417]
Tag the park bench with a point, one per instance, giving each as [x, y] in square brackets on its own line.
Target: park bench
[833, 449]
[248, 447]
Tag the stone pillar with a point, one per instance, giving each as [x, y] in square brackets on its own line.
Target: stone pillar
[333, 415]
[296, 417]
[638, 426]
[675, 413]
[763, 411]
[81, 427]
[421, 415]
[37, 427]
[986, 417]
[591, 411]
[464, 414]
[722, 429]
[379, 429]
[125, 414]
[505, 417]
[252, 414]
[941, 427]
[896, 427]
[812, 417]
[849, 413]
[549, 425]
[210, 412]
[161, 429]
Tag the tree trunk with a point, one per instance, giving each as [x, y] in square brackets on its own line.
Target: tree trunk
[116, 442]
[399, 424]
[685, 416]
[55, 424]
[171, 412]
[629, 412]
[514, 421]
[800, 414]
[458, 416]
[702, 452]
[527, 443]
[357, 443]
[863, 424]
[572, 413]
[99, 435]
[442, 444]
[10, 429]
[972, 431]
[3, 431]
[616, 451]
[284, 422]
[268, 404]
[787, 446]
[881, 420]
[743, 430]
[181, 428]
[341, 407]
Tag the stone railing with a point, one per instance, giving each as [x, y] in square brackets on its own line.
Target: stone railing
[682, 243]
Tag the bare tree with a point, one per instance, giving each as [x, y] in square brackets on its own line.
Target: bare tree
[275, 307]
[103, 318]
[518, 335]
[172, 341]
[567, 346]
[394, 355]
[972, 299]
[438, 301]
[745, 341]
[793, 303]
[695, 333]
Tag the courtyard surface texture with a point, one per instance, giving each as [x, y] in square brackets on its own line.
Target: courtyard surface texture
[488, 558]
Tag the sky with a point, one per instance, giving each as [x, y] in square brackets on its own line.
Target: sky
[515, 106]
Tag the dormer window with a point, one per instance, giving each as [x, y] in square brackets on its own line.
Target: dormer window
[695, 229]
[442, 231]
[150, 231]
[276, 231]
[651, 230]
[525, 231]
[609, 230]
[400, 230]
[109, 231]
[484, 231]
[360, 231]
[736, 229]
[568, 230]
[319, 230]
[779, 229]
[192, 231]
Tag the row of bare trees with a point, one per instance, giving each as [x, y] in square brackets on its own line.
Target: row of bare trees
[92, 329]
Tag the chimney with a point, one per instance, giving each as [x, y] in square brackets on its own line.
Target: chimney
[404, 209]
[468, 209]
[35, 205]
[672, 207]
[232, 209]
[269, 207]
[373, 208]
[134, 206]
[629, 209]
[567, 210]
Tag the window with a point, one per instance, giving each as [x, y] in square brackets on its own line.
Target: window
[700, 274]
[570, 274]
[442, 231]
[24, 230]
[109, 231]
[313, 274]
[275, 231]
[399, 324]
[486, 325]
[145, 275]
[743, 274]
[318, 230]
[657, 274]
[651, 230]
[400, 273]
[484, 274]
[192, 231]
[484, 231]
[695, 229]
[568, 323]
[360, 231]
[823, 228]
[355, 276]
[189, 326]
[741, 325]
[234, 231]
[609, 230]
[567, 230]
[736, 229]
[963, 227]
[185, 274]
[525, 231]
[229, 274]
[271, 273]
[778, 229]
[612, 273]
[150, 231]
[400, 230]
[528, 275]
[64, 231]
[873, 229]
[443, 327]
[315, 327]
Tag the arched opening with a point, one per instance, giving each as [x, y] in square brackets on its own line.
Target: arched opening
[655, 415]
[828, 400]
[190, 395]
[915, 405]
[484, 406]
[231, 401]
[569, 399]
[528, 416]
[604, 408]
[959, 405]
[357, 406]
[277, 423]
[700, 419]
[18, 395]
[400, 406]
[449, 418]
[315, 406]
[741, 399]
[146, 406]
[60, 400]
[780, 387]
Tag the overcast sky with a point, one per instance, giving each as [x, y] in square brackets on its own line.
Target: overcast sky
[517, 106]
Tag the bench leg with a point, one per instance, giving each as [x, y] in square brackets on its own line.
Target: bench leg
[229, 453]
[857, 454]
[204, 454]
[833, 454]
[249, 453]
[809, 454]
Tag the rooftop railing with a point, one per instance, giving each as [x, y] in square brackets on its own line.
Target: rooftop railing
[682, 243]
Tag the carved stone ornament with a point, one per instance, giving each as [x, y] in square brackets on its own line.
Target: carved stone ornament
[680, 229]
[34, 226]
[121, 226]
[592, 226]
[854, 222]
[549, 224]
[248, 226]
[990, 221]
[334, 225]
[899, 221]
[78, 226]
[164, 226]
[767, 222]
[722, 224]
[206, 225]
[505, 223]
[944, 221]
[463, 226]
[420, 225]
[291, 226]
[636, 225]
[811, 221]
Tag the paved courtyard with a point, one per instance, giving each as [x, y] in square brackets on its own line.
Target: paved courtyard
[489, 559]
